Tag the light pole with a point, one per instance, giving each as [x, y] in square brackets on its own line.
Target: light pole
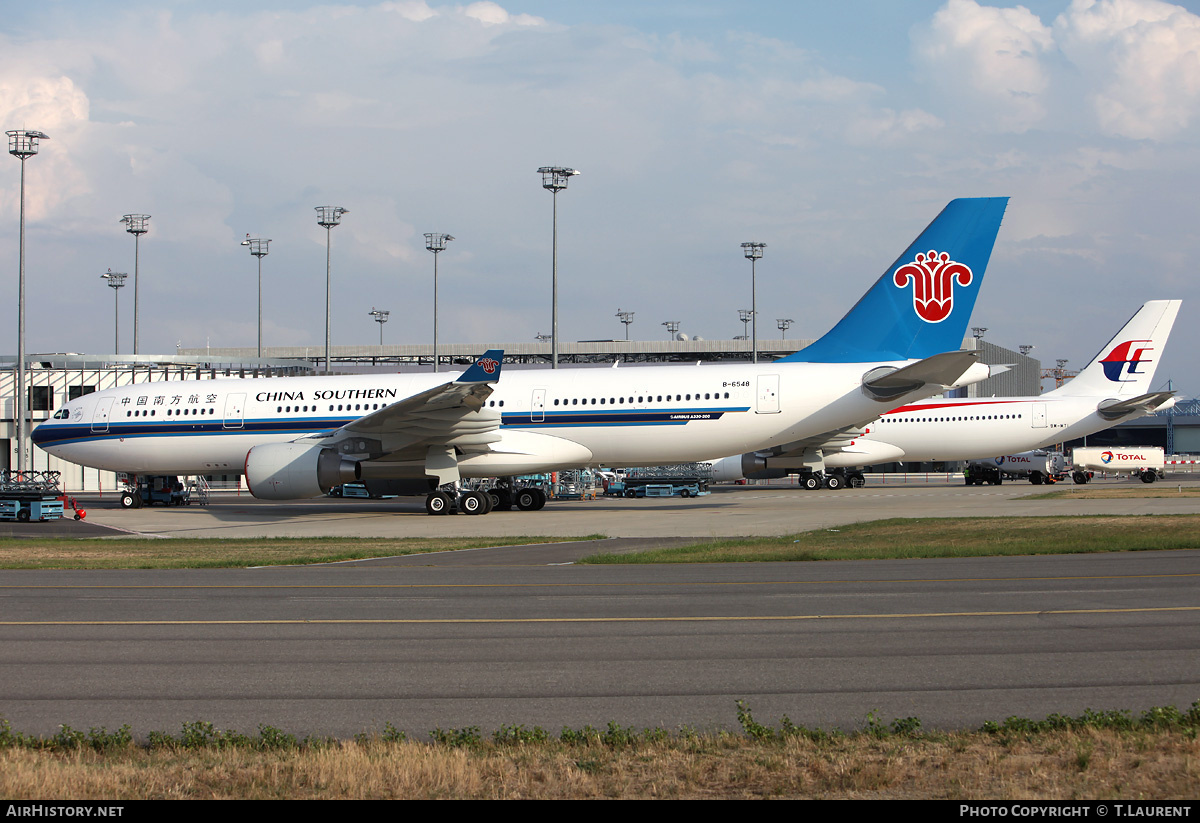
[554, 180]
[978, 331]
[672, 327]
[626, 318]
[745, 315]
[1026, 348]
[783, 324]
[22, 144]
[259, 247]
[381, 317]
[116, 280]
[135, 224]
[436, 243]
[327, 218]
[753, 251]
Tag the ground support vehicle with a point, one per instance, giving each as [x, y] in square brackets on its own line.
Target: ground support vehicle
[1037, 466]
[33, 496]
[684, 480]
[1144, 462]
[147, 490]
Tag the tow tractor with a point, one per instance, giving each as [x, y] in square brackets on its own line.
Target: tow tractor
[146, 490]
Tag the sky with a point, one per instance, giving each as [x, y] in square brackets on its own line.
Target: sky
[832, 132]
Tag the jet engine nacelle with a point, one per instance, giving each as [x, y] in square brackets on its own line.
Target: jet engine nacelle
[744, 465]
[292, 471]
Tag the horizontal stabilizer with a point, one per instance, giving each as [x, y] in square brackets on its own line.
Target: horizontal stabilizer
[942, 370]
[1143, 404]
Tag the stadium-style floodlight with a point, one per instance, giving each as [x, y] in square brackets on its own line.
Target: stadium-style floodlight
[381, 317]
[745, 315]
[978, 331]
[436, 243]
[135, 224]
[554, 180]
[753, 251]
[259, 247]
[672, 328]
[22, 144]
[542, 338]
[1027, 348]
[328, 217]
[116, 280]
[626, 317]
[783, 324]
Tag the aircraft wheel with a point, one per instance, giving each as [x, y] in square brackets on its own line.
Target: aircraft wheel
[527, 501]
[541, 499]
[128, 501]
[437, 503]
[834, 481]
[472, 503]
[811, 482]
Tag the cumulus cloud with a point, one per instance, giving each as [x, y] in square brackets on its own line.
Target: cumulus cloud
[989, 60]
[1142, 61]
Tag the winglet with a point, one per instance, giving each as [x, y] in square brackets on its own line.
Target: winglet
[486, 369]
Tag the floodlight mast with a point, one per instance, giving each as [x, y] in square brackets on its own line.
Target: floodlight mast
[260, 248]
[783, 324]
[754, 252]
[436, 243]
[116, 280]
[328, 217]
[978, 331]
[626, 317]
[135, 224]
[22, 144]
[381, 317]
[672, 328]
[554, 180]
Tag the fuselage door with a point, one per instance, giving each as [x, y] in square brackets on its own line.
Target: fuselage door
[1037, 419]
[235, 407]
[101, 414]
[537, 412]
[768, 394]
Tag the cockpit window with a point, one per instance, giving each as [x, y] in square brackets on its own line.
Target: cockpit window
[62, 414]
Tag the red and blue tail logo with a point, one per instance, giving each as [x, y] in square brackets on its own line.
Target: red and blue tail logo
[1120, 361]
[933, 277]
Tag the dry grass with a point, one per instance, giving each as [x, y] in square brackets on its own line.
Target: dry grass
[1090, 492]
[942, 537]
[1086, 764]
[193, 553]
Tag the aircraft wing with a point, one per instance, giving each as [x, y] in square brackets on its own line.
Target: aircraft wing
[826, 442]
[1143, 404]
[944, 369]
[444, 417]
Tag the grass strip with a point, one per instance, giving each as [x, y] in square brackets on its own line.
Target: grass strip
[218, 553]
[1150, 756]
[941, 537]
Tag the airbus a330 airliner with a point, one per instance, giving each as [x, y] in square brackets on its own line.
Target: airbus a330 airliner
[297, 437]
[1114, 387]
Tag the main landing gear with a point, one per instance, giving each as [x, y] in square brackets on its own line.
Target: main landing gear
[450, 500]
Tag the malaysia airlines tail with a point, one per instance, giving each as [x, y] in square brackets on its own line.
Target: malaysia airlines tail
[922, 304]
[1124, 368]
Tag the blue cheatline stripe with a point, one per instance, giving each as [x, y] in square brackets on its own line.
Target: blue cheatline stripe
[63, 435]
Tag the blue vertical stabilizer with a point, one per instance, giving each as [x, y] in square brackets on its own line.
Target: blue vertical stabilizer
[922, 304]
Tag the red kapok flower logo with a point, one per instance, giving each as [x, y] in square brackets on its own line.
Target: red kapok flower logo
[933, 276]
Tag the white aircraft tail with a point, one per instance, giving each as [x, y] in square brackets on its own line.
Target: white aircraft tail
[1125, 366]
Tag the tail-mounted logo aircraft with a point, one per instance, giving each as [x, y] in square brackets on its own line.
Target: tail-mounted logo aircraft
[1113, 388]
[296, 437]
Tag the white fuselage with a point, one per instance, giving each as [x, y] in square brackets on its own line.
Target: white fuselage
[967, 428]
[559, 418]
